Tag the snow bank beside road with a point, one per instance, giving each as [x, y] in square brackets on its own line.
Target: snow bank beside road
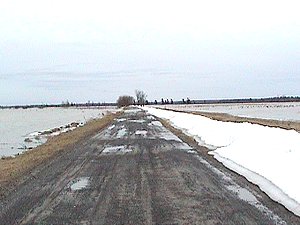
[266, 156]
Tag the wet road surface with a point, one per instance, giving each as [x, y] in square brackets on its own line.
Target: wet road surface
[135, 172]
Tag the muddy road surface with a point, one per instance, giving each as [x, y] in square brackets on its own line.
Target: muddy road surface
[137, 172]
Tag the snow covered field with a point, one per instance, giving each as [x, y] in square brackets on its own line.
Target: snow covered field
[21, 129]
[278, 111]
[268, 157]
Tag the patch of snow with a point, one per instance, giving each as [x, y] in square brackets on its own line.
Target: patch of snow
[116, 149]
[155, 123]
[33, 134]
[111, 127]
[150, 117]
[121, 120]
[80, 184]
[137, 121]
[272, 154]
[243, 194]
[170, 137]
[141, 132]
[191, 151]
[121, 133]
[133, 111]
[265, 185]
[164, 133]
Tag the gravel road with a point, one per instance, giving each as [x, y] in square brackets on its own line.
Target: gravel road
[137, 172]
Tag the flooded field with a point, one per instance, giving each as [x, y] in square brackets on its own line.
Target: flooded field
[287, 111]
[23, 129]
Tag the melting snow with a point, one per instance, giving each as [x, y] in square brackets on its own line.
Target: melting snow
[268, 157]
[241, 192]
[81, 183]
[137, 121]
[111, 127]
[141, 132]
[132, 111]
[116, 149]
[121, 133]
[155, 123]
[121, 120]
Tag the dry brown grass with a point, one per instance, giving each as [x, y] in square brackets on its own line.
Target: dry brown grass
[288, 125]
[14, 168]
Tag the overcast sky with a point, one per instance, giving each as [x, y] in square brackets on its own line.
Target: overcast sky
[54, 50]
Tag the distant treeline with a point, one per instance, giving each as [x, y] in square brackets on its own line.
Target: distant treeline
[67, 104]
[166, 101]
[223, 101]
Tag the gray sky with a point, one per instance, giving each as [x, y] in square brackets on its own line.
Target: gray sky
[54, 50]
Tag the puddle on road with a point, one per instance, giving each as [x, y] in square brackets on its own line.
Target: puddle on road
[80, 184]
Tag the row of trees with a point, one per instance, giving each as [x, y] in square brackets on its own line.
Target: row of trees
[141, 99]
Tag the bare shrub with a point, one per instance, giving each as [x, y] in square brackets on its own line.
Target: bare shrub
[125, 100]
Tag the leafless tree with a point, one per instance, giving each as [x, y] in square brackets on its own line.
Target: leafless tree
[141, 97]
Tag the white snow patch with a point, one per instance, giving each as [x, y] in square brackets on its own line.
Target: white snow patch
[243, 194]
[137, 121]
[164, 133]
[271, 153]
[111, 127]
[121, 120]
[80, 184]
[170, 137]
[150, 117]
[155, 123]
[116, 149]
[121, 133]
[265, 185]
[141, 132]
[191, 151]
[135, 110]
